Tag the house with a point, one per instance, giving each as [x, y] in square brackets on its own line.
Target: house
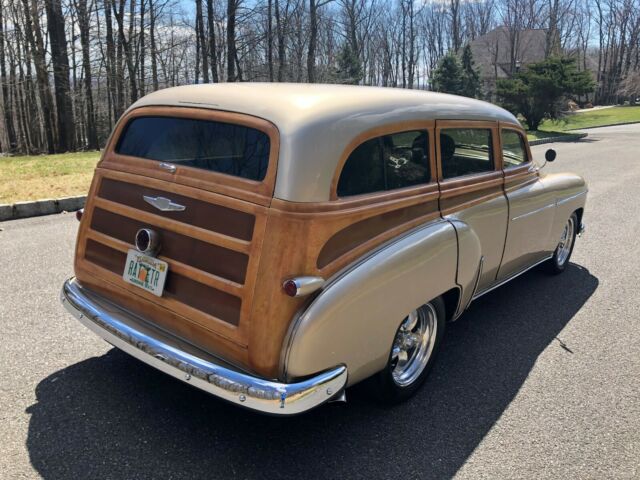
[503, 51]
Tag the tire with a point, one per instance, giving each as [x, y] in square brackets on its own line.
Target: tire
[558, 263]
[397, 382]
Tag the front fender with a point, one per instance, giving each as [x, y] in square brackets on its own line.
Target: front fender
[354, 319]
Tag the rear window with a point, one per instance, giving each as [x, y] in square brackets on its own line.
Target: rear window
[215, 146]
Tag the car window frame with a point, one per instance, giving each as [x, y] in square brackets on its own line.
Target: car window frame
[479, 186]
[523, 137]
[260, 192]
[385, 195]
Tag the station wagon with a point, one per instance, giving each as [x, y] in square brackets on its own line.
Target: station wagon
[274, 244]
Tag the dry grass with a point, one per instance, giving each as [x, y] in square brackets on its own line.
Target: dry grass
[46, 176]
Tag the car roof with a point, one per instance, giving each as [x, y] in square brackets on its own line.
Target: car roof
[317, 122]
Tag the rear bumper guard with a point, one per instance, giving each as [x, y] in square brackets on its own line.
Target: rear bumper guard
[129, 333]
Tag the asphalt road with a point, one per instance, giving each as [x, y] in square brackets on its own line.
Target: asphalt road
[540, 379]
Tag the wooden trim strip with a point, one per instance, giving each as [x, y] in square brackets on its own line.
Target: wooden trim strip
[208, 236]
[186, 191]
[200, 276]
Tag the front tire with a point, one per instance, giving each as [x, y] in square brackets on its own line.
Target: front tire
[413, 353]
[558, 263]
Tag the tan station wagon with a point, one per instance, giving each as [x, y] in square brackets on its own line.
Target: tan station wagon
[273, 244]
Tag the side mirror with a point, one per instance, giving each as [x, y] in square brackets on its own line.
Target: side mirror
[550, 155]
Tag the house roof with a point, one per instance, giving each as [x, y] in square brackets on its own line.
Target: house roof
[492, 51]
[317, 122]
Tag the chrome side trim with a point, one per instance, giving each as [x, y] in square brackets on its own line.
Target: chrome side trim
[509, 278]
[164, 204]
[568, 199]
[533, 212]
[168, 354]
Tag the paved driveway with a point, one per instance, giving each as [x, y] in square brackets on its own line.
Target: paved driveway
[540, 379]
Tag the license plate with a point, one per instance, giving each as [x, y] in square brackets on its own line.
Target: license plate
[145, 272]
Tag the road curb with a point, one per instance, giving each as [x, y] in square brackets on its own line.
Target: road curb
[564, 138]
[41, 207]
[607, 125]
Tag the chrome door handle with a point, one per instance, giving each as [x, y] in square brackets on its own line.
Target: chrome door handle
[169, 167]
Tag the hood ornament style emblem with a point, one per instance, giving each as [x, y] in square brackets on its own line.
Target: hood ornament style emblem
[164, 204]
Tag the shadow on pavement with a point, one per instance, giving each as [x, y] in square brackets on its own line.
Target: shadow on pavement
[113, 417]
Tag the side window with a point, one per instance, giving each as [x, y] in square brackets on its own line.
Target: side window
[465, 150]
[514, 152]
[386, 163]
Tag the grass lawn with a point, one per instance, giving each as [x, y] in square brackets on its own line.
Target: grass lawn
[606, 116]
[46, 176]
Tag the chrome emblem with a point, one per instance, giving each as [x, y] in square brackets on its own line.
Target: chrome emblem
[164, 204]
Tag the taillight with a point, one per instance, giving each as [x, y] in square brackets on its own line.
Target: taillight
[301, 286]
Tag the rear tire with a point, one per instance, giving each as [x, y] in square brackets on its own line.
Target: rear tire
[413, 352]
[558, 263]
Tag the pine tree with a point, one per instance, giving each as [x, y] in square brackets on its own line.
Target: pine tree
[447, 78]
[349, 69]
[537, 91]
[471, 86]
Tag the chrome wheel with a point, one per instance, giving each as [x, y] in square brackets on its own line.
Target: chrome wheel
[413, 345]
[566, 242]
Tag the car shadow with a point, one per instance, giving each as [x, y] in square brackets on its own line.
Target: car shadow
[114, 417]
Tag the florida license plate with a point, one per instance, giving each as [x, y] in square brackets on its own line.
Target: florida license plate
[145, 272]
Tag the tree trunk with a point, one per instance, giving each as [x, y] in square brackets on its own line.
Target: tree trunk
[7, 109]
[313, 40]
[154, 48]
[213, 54]
[281, 44]
[270, 38]
[83, 23]
[232, 7]
[33, 33]
[126, 46]
[141, 41]
[202, 42]
[60, 61]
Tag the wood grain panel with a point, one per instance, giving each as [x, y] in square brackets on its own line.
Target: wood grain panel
[205, 215]
[190, 251]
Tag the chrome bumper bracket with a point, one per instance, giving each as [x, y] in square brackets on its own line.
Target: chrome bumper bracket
[127, 332]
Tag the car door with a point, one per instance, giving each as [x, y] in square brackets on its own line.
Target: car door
[471, 188]
[531, 207]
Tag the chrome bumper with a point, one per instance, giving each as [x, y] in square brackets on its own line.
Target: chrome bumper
[195, 367]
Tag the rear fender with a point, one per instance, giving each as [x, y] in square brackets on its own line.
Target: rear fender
[354, 319]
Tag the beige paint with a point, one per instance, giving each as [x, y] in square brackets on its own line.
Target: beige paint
[355, 318]
[317, 122]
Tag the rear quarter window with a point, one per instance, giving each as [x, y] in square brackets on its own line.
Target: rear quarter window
[388, 162]
[214, 146]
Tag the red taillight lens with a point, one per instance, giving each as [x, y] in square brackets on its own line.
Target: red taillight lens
[290, 288]
[79, 214]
